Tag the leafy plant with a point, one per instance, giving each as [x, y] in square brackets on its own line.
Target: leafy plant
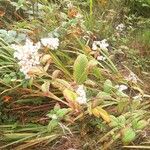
[80, 65]
[72, 88]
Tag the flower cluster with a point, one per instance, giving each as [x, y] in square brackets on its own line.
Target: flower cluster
[101, 58]
[120, 27]
[132, 77]
[27, 55]
[103, 45]
[121, 87]
[137, 97]
[100, 44]
[81, 99]
[51, 43]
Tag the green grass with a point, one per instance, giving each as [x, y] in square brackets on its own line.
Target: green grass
[44, 109]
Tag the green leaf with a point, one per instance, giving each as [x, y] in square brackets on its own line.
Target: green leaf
[56, 107]
[122, 105]
[128, 135]
[52, 125]
[92, 64]
[80, 65]
[104, 96]
[62, 112]
[108, 86]
[16, 136]
[121, 94]
[114, 121]
[60, 65]
[122, 121]
[118, 122]
[97, 72]
[140, 124]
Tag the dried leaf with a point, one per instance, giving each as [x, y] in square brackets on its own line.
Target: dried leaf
[61, 84]
[2, 13]
[71, 97]
[7, 99]
[45, 86]
[99, 112]
[72, 12]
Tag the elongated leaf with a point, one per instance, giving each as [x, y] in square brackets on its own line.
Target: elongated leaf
[45, 86]
[104, 95]
[108, 86]
[61, 84]
[16, 136]
[79, 68]
[59, 64]
[52, 125]
[99, 112]
[70, 95]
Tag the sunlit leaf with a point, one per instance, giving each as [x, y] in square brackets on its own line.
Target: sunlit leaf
[79, 68]
[52, 125]
[140, 124]
[99, 112]
[108, 86]
[45, 86]
[114, 121]
[61, 84]
[122, 105]
[121, 121]
[70, 95]
[104, 95]
[128, 135]
[62, 112]
[91, 64]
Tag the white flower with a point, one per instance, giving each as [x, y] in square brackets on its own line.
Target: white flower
[81, 99]
[94, 46]
[54, 116]
[51, 43]
[132, 77]
[101, 58]
[137, 97]
[27, 55]
[121, 87]
[104, 44]
[100, 44]
[120, 27]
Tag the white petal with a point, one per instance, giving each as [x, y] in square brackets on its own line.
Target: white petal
[137, 97]
[101, 58]
[52, 43]
[122, 87]
[81, 100]
[27, 55]
[94, 47]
